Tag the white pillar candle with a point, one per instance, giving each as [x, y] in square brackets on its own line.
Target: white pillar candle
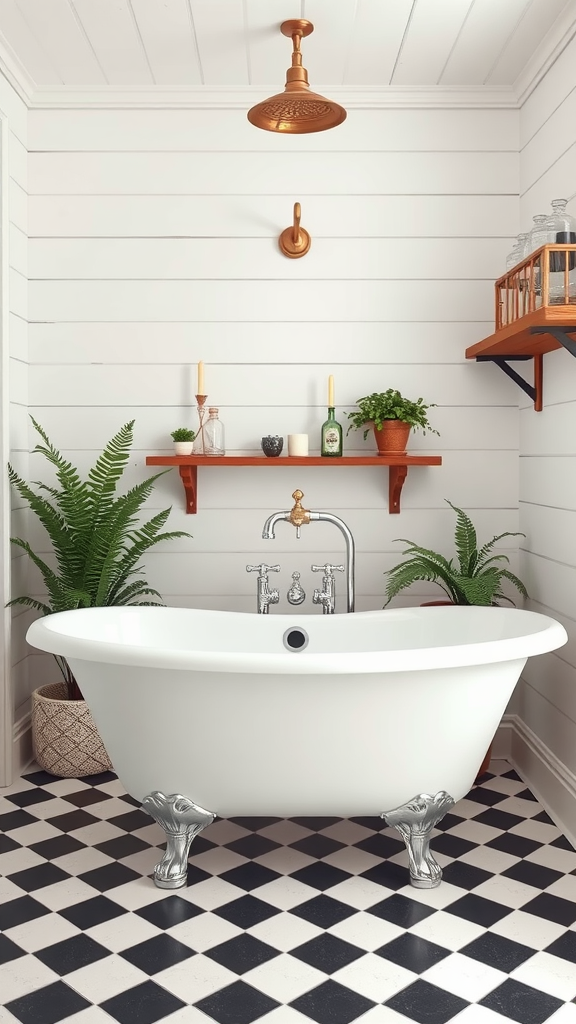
[298, 445]
[330, 391]
[200, 390]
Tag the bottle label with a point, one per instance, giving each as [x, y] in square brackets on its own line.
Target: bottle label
[331, 440]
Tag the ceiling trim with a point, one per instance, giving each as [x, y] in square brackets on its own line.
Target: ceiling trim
[198, 98]
[16, 74]
[553, 44]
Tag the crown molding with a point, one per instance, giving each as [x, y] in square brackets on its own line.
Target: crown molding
[15, 73]
[203, 98]
[552, 46]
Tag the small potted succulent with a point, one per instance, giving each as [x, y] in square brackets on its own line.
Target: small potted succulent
[392, 417]
[183, 440]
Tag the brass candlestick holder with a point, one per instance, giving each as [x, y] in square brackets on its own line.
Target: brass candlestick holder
[200, 440]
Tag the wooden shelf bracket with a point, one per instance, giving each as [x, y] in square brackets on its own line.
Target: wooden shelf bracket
[534, 391]
[189, 475]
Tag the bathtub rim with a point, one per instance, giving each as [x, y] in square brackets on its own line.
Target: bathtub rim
[550, 635]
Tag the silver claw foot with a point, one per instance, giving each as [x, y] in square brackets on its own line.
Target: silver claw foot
[181, 820]
[415, 821]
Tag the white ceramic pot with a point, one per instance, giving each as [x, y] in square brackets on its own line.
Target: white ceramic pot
[183, 447]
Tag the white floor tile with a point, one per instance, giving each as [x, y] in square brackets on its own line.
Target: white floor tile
[537, 830]
[113, 788]
[285, 931]
[474, 832]
[109, 809]
[203, 932]
[553, 857]
[82, 860]
[42, 932]
[152, 834]
[137, 893]
[516, 805]
[285, 832]
[489, 859]
[359, 892]
[352, 860]
[91, 1015]
[218, 860]
[36, 832]
[284, 978]
[185, 1015]
[65, 894]
[283, 1015]
[61, 787]
[224, 831]
[18, 786]
[51, 809]
[9, 890]
[564, 887]
[348, 832]
[123, 932]
[508, 891]
[550, 974]
[374, 977]
[381, 1015]
[98, 832]
[285, 860]
[105, 978]
[464, 977]
[528, 929]
[565, 1015]
[22, 976]
[366, 931]
[144, 861]
[447, 930]
[18, 860]
[480, 1014]
[193, 981]
[211, 893]
[442, 896]
[286, 892]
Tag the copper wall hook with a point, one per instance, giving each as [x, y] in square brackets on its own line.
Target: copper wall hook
[295, 241]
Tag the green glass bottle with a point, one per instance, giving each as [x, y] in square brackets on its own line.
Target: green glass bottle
[331, 436]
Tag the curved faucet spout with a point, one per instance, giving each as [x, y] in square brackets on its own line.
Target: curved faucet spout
[268, 530]
[328, 517]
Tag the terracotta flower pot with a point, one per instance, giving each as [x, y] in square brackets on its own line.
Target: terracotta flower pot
[64, 737]
[392, 438]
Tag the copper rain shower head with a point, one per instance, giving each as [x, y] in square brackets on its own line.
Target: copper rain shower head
[296, 110]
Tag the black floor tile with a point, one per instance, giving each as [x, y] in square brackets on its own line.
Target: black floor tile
[29, 797]
[250, 846]
[552, 908]
[381, 846]
[517, 846]
[47, 1005]
[488, 797]
[92, 912]
[521, 1002]
[526, 795]
[122, 846]
[320, 876]
[144, 1004]
[479, 910]
[236, 1004]
[331, 1003]
[250, 876]
[316, 824]
[72, 820]
[246, 911]
[497, 951]
[563, 844]
[391, 876]
[98, 780]
[532, 874]
[71, 954]
[413, 952]
[463, 875]
[242, 953]
[512, 775]
[451, 846]
[58, 846]
[9, 950]
[41, 778]
[565, 947]
[169, 912]
[20, 910]
[327, 953]
[317, 846]
[195, 875]
[544, 818]
[157, 954]
[401, 910]
[15, 819]
[109, 876]
[85, 797]
[254, 823]
[323, 911]
[449, 821]
[7, 844]
[38, 877]
[426, 1003]
[498, 819]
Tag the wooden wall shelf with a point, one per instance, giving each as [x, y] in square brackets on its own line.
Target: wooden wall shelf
[398, 466]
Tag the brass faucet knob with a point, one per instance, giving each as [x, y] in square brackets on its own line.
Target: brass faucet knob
[299, 516]
[298, 495]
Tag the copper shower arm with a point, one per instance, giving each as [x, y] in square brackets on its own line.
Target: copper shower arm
[295, 241]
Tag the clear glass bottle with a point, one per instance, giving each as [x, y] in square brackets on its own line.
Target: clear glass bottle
[562, 229]
[331, 436]
[214, 434]
[539, 235]
[518, 251]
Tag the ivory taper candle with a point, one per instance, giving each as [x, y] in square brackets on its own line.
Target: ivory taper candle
[330, 391]
[200, 388]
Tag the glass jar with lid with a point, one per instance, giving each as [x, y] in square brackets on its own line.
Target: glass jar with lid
[540, 234]
[561, 228]
[214, 434]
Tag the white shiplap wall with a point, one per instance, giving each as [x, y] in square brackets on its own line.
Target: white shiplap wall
[15, 365]
[546, 700]
[154, 244]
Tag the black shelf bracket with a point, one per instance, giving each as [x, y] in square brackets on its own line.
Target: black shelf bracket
[534, 391]
[561, 335]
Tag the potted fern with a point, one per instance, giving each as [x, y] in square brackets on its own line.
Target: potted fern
[391, 417]
[476, 577]
[98, 542]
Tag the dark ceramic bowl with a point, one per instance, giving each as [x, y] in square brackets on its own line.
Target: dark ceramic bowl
[272, 445]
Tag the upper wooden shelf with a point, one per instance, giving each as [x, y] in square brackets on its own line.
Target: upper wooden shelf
[397, 465]
[518, 338]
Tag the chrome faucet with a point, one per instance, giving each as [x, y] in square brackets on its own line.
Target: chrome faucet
[265, 596]
[300, 516]
[327, 596]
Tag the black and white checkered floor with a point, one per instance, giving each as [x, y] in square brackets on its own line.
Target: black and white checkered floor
[283, 921]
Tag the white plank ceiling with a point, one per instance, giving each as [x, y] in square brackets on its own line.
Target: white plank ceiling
[237, 43]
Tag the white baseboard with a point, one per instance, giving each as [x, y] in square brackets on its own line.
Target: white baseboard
[551, 782]
[22, 754]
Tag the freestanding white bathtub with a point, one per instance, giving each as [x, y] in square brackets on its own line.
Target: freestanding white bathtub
[208, 713]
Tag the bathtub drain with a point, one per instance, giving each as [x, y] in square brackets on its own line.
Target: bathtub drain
[295, 639]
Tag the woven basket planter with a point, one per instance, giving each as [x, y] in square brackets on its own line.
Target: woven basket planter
[64, 738]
